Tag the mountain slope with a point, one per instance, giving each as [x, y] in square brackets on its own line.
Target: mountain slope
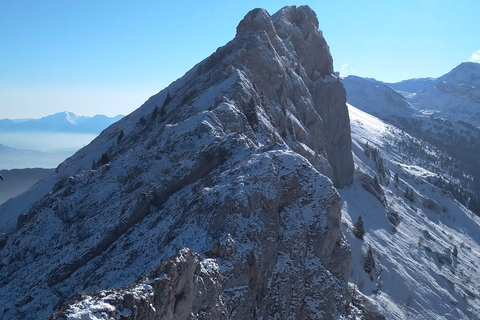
[376, 98]
[232, 160]
[425, 247]
[465, 73]
[460, 140]
[412, 85]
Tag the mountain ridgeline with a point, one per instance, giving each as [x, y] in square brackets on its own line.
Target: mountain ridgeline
[60, 122]
[237, 161]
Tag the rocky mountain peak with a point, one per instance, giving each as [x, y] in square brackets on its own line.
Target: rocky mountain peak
[466, 73]
[256, 20]
[235, 160]
[289, 21]
[288, 61]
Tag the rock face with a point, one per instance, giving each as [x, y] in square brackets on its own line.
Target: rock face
[182, 287]
[291, 64]
[235, 160]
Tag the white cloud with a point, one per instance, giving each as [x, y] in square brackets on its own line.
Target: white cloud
[475, 57]
[345, 70]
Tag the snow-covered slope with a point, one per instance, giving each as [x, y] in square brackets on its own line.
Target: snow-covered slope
[459, 139]
[425, 251]
[376, 98]
[236, 160]
[454, 96]
[424, 248]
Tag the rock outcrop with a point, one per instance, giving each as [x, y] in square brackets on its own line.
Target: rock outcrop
[235, 160]
[182, 287]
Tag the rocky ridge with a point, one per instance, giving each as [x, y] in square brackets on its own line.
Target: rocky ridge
[235, 160]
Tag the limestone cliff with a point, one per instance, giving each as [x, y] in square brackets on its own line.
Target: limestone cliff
[235, 161]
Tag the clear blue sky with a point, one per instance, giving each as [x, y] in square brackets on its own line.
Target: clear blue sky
[108, 57]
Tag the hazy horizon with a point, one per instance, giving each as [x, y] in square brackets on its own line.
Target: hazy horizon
[46, 141]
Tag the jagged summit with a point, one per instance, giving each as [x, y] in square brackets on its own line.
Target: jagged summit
[235, 160]
[300, 24]
[287, 60]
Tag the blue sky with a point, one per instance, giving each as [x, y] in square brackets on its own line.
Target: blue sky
[108, 57]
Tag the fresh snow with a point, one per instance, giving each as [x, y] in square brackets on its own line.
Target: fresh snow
[410, 281]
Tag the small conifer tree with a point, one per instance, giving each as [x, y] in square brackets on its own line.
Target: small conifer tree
[369, 262]
[251, 113]
[120, 136]
[455, 251]
[155, 113]
[409, 194]
[358, 228]
[162, 112]
[104, 159]
[167, 99]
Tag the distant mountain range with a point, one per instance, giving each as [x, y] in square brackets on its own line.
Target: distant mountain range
[454, 96]
[444, 112]
[45, 142]
[60, 122]
[467, 73]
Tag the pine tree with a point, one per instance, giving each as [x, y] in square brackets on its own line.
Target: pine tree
[358, 228]
[104, 159]
[369, 262]
[120, 136]
[455, 251]
[167, 99]
[155, 113]
[251, 113]
[162, 112]
[409, 194]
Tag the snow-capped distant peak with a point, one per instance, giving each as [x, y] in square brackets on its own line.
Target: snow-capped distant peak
[71, 117]
[60, 122]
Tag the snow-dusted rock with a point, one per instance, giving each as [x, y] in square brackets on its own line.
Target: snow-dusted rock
[290, 64]
[184, 286]
[235, 160]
